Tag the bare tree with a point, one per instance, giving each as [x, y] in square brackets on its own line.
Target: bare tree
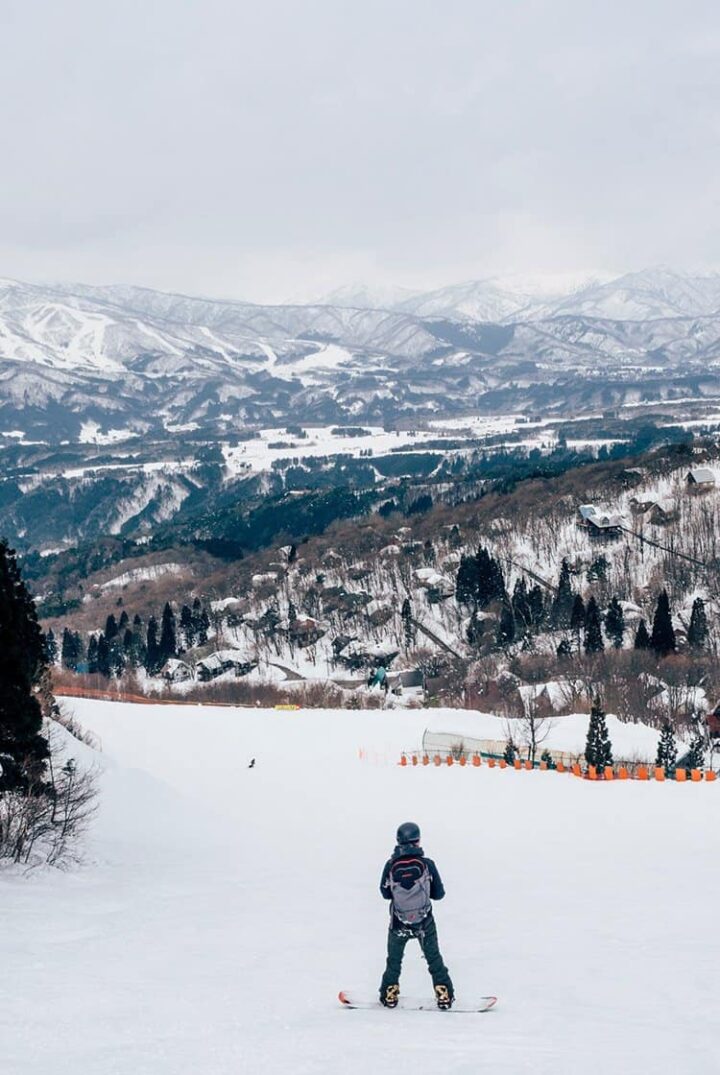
[44, 823]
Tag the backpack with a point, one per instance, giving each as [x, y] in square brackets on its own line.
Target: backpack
[409, 881]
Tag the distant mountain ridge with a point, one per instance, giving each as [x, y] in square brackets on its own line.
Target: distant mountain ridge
[134, 359]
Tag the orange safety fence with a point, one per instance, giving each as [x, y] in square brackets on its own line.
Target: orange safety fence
[608, 773]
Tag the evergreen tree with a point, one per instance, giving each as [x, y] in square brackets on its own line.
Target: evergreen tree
[597, 572]
[510, 753]
[698, 629]
[187, 629]
[695, 757]
[598, 749]
[51, 648]
[642, 638]
[116, 656]
[168, 636]
[563, 602]
[536, 600]
[103, 656]
[111, 628]
[92, 655]
[123, 622]
[23, 750]
[68, 656]
[466, 581]
[69, 651]
[577, 617]
[490, 581]
[201, 623]
[506, 627]
[127, 643]
[662, 639]
[615, 623]
[139, 646]
[593, 641]
[667, 750]
[152, 648]
[428, 552]
[407, 623]
[521, 608]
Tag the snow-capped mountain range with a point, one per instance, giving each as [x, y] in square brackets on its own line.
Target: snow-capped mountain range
[129, 358]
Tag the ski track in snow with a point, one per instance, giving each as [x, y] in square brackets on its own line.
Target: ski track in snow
[222, 909]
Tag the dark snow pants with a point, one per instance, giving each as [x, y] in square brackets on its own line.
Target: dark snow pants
[428, 938]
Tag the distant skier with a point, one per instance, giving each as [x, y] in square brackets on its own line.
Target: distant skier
[410, 881]
[252, 764]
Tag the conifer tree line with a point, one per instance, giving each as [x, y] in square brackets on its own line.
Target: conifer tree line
[129, 644]
[530, 611]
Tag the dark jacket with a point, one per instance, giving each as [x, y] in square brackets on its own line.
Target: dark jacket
[410, 851]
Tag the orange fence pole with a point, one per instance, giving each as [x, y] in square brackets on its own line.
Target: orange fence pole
[622, 773]
[502, 763]
[528, 764]
[463, 760]
[516, 763]
[576, 770]
[659, 772]
[711, 774]
[437, 759]
[403, 760]
[609, 772]
[491, 763]
[560, 767]
[426, 760]
[695, 775]
[681, 775]
[450, 759]
[592, 772]
[476, 759]
[642, 773]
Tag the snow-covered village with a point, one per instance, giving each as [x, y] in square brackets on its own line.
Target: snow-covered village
[359, 539]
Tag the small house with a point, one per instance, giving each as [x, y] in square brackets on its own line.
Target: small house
[701, 479]
[222, 661]
[600, 523]
[176, 671]
[305, 631]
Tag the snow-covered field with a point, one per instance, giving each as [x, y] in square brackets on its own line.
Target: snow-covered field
[223, 907]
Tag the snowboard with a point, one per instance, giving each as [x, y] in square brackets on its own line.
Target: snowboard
[416, 1004]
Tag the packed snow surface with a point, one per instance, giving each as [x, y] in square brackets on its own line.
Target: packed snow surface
[222, 908]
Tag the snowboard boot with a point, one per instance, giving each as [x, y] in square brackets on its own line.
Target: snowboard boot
[389, 998]
[443, 997]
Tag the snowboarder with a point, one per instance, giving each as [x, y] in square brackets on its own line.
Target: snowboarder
[252, 764]
[410, 881]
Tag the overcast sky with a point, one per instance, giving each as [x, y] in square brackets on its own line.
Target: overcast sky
[272, 148]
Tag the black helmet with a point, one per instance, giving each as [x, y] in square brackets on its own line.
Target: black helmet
[408, 833]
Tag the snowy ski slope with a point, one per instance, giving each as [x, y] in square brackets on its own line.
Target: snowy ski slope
[223, 907]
